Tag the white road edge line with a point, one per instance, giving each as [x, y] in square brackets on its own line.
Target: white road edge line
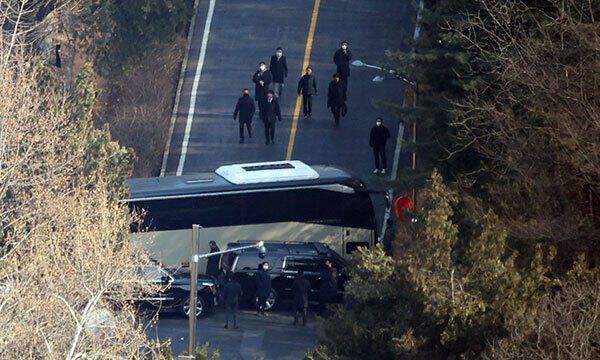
[394, 173]
[190, 117]
[179, 86]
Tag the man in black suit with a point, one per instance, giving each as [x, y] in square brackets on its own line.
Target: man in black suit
[279, 70]
[336, 98]
[272, 114]
[300, 289]
[245, 107]
[307, 87]
[262, 78]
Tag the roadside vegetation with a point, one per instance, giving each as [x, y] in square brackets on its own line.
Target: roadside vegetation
[67, 269]
[136, 48]
[503, 261]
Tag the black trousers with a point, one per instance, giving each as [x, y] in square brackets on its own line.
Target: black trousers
[231, 310]
[248, 126]
[336, 110]
[344, 79]
[261, 109]
[262, 303]
[307, 104]
[300, 311]
[269, 130]
[379, 153]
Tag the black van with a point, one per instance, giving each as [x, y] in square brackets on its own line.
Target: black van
[285, 259]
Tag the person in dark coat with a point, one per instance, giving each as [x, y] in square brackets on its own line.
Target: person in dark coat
[272, 115]
[245, 107]
[328, 286]
[300, 289]
[279, 70]
[342, 58]
[336, 98]
[377, 140]
[307, 87]
[212, 264]
[232, 294]
[262, 282]
[262, 79]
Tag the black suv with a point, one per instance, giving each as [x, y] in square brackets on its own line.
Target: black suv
[176, 294]
[285, 259]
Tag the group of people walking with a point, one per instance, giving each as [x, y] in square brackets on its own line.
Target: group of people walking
[268, 90]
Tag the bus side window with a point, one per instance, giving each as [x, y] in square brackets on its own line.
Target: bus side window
[352, 246]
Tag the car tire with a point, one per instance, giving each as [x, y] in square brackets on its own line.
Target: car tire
[272, 300]
[184, 308]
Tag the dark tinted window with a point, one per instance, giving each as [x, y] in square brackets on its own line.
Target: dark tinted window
[354, 245]
[305, 205]
[305, 264]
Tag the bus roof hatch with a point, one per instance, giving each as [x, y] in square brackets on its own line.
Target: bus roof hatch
[274, 171]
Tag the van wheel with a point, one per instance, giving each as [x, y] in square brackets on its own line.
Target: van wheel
[272, 300]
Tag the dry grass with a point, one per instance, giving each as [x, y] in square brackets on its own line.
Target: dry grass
[138, 106]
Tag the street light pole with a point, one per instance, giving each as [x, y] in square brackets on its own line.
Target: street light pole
[193, 290]
[194, 282]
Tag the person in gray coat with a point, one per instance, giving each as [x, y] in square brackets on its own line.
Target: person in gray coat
[232, 293]
[245, 108]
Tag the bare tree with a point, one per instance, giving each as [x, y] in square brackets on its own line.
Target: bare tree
[536, 122]
[67, 268]
[564, 326]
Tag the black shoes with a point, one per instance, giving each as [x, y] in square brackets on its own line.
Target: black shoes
[241, 140]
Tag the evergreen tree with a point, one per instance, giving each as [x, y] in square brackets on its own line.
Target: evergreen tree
[103, 158]
[448, 292]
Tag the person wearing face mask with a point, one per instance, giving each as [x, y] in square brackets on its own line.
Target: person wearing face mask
[262, 282]
[279, 70]
[377, 140]
[262, 78]
[342, 58]
[307, 87]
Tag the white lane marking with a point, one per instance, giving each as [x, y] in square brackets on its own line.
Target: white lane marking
[179, 86]
[394, 173]
[190, 117]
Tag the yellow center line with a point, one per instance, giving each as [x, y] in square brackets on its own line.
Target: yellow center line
[308, 49]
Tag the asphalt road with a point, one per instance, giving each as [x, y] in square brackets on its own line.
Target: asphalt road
[243, 33]
[272, 337]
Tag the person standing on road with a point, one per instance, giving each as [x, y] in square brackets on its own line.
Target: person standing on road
[336, 98]
[245, 107]
[307, 87]
[300, 289]
[212, 264]
[272, 115]
[262, 78]
[279, 70]
[342, 58]
[232, 293]
[328, 288]
[377, 140]
[262, 282]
